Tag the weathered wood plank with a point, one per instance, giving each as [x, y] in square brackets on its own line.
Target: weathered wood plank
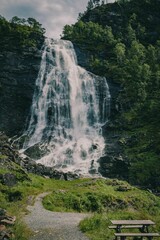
[132, 222]
[126, 226]
[137, 234]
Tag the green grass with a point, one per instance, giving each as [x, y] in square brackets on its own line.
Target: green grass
[100, 196]
[107, 199]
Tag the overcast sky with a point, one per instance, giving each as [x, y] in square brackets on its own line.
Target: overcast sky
[52, 14]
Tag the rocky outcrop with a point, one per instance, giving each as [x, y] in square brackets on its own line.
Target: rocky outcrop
[49, 172]
[10, 170]
[18, 73]
[14, 168]
[19, 69]
[5, 222]
[114, 163]
[83, 58]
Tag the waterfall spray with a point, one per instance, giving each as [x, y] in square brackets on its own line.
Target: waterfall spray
[67, 111]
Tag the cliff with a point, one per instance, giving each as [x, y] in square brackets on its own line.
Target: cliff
[17, 78]
[20, 54]
[121, 43]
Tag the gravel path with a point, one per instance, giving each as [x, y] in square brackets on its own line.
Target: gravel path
[48, 225]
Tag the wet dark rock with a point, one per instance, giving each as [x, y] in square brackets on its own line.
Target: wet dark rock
[10, 162]
[123, 188]
[83, 57]
[18, 73]
[8, 179]
[2, 211]
[5, 221]
[92, 171]
[35, 152]
[114, 163]
[14, 196]
[32, 167]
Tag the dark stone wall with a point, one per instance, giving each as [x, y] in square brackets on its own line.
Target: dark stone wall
[83, 57]
[18, 72]
[114, 162]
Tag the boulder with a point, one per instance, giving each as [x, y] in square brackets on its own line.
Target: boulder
[8, 179]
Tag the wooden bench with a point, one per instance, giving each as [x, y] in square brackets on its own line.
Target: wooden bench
[149, 236]
[142, 225]
[126, 226]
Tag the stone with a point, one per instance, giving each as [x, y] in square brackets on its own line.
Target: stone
[2, 211]
[8, 179]
[35, 152]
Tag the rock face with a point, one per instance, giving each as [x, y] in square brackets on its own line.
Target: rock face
[14, 168]
[18, 73]
[19, 70]
[83, 57]
[49, 172]
[113, 163]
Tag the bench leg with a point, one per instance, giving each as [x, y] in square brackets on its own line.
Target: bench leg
[121, 238]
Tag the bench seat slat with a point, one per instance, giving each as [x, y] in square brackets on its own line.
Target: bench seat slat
[137, 234]
[126, 226]
[133, 222]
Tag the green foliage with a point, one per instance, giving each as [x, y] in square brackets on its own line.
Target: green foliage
[96, 227]
[21, 231]
[101, 196]
[73, 201]
[20, 33]
[123, 45]
[107, 198]
[90, 33]
[146, 172]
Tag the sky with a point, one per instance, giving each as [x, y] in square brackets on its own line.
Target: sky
[52, 14]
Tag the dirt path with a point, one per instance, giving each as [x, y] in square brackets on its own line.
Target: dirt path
[49, 225]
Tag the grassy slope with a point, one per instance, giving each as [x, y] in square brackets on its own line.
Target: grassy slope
[108, 199]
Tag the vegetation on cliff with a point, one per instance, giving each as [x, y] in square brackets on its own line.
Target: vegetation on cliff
[20, 33]
[20, 55]
[123, 44]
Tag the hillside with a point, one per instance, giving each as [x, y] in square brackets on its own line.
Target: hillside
[121, 42]
[106, 199]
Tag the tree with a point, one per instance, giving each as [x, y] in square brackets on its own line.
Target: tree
[131, 34]
[36, 25]
[17, 20]
[96, 2]
[19, 32]
[90, 5]
[120, 50]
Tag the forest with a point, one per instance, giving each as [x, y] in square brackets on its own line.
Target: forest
[20, 33]
[123, 44]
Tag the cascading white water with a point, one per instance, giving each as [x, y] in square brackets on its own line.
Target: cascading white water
[67, 111]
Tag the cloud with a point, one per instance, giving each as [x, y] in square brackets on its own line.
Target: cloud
[52, 14]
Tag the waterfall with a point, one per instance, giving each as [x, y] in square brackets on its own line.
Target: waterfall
[67, 111]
